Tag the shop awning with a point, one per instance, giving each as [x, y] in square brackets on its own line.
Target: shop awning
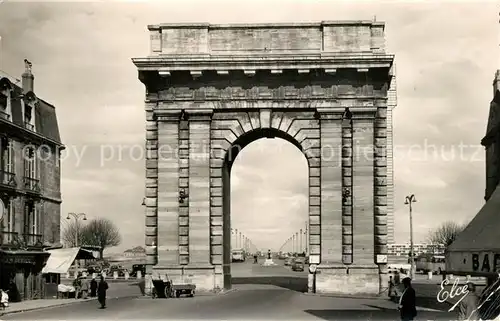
[60, 260]
[482, 233]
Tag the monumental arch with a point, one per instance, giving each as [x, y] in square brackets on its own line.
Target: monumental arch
[212, 89]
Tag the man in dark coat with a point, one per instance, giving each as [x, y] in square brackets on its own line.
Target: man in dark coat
[407, 302]
[101, 292]
[93, 288]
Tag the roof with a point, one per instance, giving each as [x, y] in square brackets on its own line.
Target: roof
[45, 113]
[60, 260]
[482, 232]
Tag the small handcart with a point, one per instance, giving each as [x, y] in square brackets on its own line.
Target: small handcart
[165, 289]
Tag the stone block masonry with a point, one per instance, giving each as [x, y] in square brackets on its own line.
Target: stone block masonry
[212, 90]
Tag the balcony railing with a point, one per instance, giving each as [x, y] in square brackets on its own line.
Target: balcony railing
[32, 184]
[7, 178]
[8, 238]
[33, 239]
[29, 126]
[4, 115]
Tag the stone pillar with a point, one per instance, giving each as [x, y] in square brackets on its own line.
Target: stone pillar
[362, 191]
[168, 188]
[331, 189]
[150, 200]
[184, 185]
[199, 187]
[347, 230]
[381, 192]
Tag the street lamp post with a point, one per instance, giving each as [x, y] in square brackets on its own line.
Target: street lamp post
[307, 238]
[77, 217]
[300, 241]
[408, 201]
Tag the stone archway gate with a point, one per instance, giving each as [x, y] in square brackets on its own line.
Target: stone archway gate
[327, 86]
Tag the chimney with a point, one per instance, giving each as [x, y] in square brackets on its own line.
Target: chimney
[27, 78]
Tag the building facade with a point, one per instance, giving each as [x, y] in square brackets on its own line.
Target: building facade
[213, 89]
[136, 252]
[404, 249]
[30, 190]
[476, 251]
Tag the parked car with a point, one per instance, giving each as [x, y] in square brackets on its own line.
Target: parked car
[138, 267]
[298, 264]
[288, 261]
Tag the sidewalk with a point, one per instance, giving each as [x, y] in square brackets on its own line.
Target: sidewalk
[29, 305]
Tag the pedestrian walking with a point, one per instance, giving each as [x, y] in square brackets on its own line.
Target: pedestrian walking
[468, 307]
[77, 284]
[101, 292]
[391, 291]
[85, 287]
[407, 302]
[255, 259]
[93, 288]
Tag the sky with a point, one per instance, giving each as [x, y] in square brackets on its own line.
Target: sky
[446, 56]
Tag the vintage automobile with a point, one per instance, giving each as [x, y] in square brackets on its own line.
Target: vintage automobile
[298, 264]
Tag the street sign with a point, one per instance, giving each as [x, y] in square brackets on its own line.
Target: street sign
[2, 210]
[312, 268]
[314, 259]
[381, 259]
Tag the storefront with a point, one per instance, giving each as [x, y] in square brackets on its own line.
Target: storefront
[59, 263]
[21, 273]
[476, 251]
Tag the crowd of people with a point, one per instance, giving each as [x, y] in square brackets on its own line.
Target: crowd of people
[99, 289]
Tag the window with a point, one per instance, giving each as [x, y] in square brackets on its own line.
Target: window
[5, 102]
[8, 222]
[30, 169]
[7, 155]
[31, 226]
[8, 226]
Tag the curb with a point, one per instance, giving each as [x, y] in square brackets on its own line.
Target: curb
[58, 305]
[46, 307]
[145, 297]
[344, 296]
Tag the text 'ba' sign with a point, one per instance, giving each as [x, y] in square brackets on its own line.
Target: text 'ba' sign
[486, 262]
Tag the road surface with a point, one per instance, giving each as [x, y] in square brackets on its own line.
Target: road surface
[256, 300]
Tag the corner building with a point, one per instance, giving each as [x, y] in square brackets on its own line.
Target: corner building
[213, 89]
[30, 186]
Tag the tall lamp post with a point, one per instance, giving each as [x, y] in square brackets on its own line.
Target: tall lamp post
[408, 201]
[77, 217]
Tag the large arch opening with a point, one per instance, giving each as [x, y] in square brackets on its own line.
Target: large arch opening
[265, 184]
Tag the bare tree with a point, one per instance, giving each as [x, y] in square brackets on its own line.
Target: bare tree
[446, 233]
[72, 233]
[101, 232]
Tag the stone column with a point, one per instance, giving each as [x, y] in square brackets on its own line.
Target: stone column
[199, 187]
[331, 189]
[362, 191]
[168, 188]
[347, 230]
[381, 192]
[150, 199]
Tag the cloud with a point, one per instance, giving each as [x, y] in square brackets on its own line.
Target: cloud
[445, 54]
